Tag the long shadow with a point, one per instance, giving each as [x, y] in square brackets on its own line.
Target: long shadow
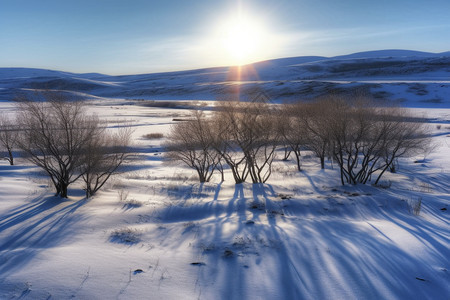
[289, 278]
[29, 229]
[6, 169]
[347, 251]
[331, 256]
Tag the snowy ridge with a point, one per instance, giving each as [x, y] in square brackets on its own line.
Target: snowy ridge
[395, 75]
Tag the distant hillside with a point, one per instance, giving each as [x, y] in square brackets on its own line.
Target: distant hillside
[411, 77]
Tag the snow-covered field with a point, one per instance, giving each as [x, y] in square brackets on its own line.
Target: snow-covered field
[155, 233]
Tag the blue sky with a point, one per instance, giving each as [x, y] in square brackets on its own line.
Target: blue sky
[137, 36]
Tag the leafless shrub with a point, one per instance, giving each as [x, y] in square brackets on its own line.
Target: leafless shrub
[102, 158]
[315, 119]
[123, 195]
[132, 203]
[192, 143]
[126, 235]
[292, 130]
[8, 137]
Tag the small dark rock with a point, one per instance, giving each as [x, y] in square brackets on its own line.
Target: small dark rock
[250, 222]
[137, 271]
[443, 209]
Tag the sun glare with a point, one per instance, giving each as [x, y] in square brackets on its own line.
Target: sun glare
[242, 38]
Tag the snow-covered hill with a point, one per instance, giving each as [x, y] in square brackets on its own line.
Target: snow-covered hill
[418, 78]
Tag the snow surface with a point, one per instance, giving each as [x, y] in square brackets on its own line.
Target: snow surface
[155, 233]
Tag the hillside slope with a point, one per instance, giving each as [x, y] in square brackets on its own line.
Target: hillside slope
[396, 75]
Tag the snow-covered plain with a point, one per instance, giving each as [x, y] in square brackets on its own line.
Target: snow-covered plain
[155, 233]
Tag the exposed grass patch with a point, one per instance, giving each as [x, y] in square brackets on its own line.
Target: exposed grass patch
[126, 236]
[132, 203]
[153, 136]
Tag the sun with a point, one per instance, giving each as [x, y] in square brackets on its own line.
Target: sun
[242, 38]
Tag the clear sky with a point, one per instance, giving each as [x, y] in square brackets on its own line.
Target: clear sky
[139, 36]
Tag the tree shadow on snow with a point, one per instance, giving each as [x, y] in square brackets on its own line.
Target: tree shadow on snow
[319, 256]
[31, 228]
[344, 242]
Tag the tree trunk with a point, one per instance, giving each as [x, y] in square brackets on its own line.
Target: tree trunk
[11, 158]
[297, 159]
[63, 191]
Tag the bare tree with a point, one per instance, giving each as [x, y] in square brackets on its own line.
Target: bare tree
[405, 137]
[192, 143]
[54, 135]
[315, 120]
[225, 129]
[102, 157]
[292, 130]
[246, 137]
[8, 137]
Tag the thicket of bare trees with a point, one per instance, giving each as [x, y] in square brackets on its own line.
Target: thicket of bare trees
[361, 138]
[60, 137]
[241, 134]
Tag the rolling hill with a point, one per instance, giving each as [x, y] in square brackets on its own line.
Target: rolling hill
[418, 78]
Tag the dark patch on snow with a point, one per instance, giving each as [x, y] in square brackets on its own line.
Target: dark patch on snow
[138, 271]
[421, 279]
[228, 253]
